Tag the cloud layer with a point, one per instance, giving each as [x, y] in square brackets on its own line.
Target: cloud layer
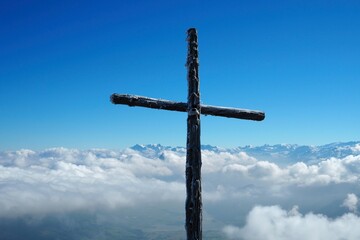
[67, 180]
[235, 185]
[274, 223]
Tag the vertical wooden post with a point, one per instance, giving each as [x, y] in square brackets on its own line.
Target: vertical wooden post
[193, 203]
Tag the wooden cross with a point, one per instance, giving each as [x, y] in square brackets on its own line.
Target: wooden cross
[193, 205]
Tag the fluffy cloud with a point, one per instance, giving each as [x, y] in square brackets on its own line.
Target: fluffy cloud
[57, 180]
[65, 180]
[351, 202]
[275, 223]
[333, 170]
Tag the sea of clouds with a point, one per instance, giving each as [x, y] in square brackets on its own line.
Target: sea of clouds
[250, 198]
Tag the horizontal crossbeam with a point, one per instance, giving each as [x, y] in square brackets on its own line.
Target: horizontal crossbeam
[133, 100]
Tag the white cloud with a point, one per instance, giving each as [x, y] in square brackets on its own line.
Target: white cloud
[351, 202]
[275, 223]
[356, 148]
[332, 170]
[65, 180]
[58, 180]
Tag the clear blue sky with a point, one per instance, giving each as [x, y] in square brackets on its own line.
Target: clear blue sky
[61, 60]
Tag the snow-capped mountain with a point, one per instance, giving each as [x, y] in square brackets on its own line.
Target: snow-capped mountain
[301, 153]
[279, 153]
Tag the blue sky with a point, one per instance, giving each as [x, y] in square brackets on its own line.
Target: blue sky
[60, 61]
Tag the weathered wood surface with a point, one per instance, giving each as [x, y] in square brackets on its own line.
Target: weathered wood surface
[193, 204]
[140, 101]
[232, 112]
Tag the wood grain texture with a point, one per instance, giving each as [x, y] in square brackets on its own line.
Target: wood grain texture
[140, 101]
[193, 107]
[193, 204]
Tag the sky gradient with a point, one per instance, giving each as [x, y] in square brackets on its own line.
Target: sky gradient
[60, 61]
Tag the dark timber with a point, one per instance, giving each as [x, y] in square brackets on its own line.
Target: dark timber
[139, 101]
[193, 205]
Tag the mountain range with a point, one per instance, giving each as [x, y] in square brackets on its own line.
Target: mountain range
[278, 153]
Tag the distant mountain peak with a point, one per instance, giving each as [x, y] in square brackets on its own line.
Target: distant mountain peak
[278, 153]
